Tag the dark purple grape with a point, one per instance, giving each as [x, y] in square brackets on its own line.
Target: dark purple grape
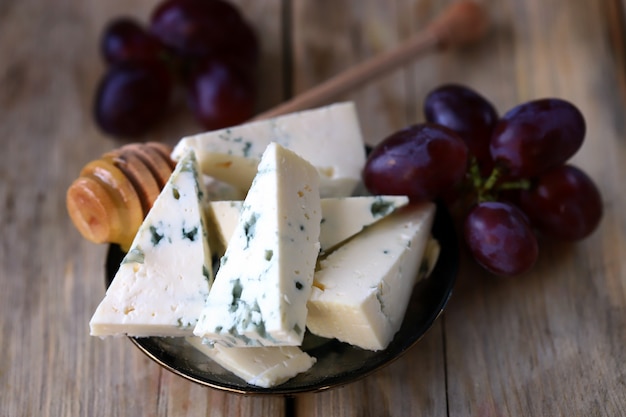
[133, 97]
[125, 40]
[466, 112]
[423, 162]
[563, 203]
[219, 96]
[536, 136]
[202, 28]
[500, 238]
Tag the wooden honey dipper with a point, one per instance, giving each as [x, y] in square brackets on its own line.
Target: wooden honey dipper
[110, 199]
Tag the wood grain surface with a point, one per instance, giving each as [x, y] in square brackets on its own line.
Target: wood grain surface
[549, 343]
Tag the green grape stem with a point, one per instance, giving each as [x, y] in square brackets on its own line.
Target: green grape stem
[488, 188]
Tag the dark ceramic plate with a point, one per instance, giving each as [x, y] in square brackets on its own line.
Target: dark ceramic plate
[337, 363]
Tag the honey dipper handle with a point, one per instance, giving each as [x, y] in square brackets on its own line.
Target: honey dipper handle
[463, 22]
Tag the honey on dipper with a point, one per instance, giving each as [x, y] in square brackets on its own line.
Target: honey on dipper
[109, 200]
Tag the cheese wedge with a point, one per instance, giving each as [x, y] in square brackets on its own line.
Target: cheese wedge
[261, 288]
[361, 290]
[328, 137]
[264, 367]
[342, 217]
[162, 283]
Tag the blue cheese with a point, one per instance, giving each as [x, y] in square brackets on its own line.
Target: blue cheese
[261, 288]
[342, 218]
[162, 283]
[328, 137]
[264, 367]
[361, 290]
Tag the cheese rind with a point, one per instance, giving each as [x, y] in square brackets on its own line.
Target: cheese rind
[342, 217]
[328, 137]
[361, 290]
[163, 281]
[261, 288]
[264, 367]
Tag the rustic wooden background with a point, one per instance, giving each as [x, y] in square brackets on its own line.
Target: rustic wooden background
[550, 343]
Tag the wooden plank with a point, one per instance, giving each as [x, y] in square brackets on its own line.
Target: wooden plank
[326, 43]
[550, 342]
[51, 278]
[413, 385]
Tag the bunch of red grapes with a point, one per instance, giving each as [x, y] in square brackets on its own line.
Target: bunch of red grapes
[508, 177]
[204, 46]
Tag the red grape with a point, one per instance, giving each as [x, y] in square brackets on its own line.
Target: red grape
[519, 185]
[536, 136]
[219, 96]
[563, 203]
[124, 40]
[133, 97]
[205, 44]
[203, 28]
[466, 112]
[423, 161]
[500, 238]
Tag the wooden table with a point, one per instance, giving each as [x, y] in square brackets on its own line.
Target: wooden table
[550, 343]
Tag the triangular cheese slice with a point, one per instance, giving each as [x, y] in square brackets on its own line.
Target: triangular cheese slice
[328, 137]
[342, 217]
[260, 366]
[361, 290]
[162, 283]
[260, 291]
